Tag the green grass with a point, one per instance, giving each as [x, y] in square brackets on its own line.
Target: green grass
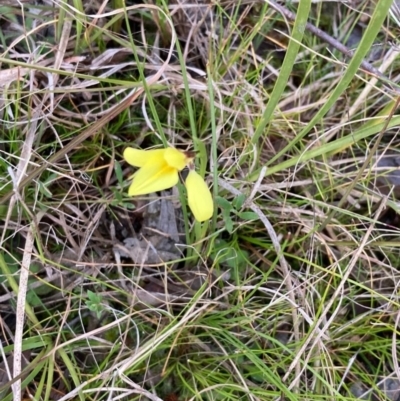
[288, 293]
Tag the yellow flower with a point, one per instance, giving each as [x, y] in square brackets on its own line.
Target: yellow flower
[159, 170]
[199, 197]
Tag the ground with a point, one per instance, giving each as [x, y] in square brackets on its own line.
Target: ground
[290, 290]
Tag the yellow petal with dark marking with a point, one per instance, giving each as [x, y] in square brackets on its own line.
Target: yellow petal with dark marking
[176, 158]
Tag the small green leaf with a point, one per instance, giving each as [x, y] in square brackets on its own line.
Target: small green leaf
[118, 197]
[228, 224]
[129, 205]
[224, 204]
[248, 216]
[94, 303]
[44, 190]
[93, 297]
[239, 201]
[118, 172]
[33, 299]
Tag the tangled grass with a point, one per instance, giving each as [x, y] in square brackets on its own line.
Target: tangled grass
[290, 291]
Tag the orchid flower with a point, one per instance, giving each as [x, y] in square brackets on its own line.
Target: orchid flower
[159, 170]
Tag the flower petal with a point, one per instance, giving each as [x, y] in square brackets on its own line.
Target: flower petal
[154, 176]
[176, 158]
[139, 157]
[199, 197]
